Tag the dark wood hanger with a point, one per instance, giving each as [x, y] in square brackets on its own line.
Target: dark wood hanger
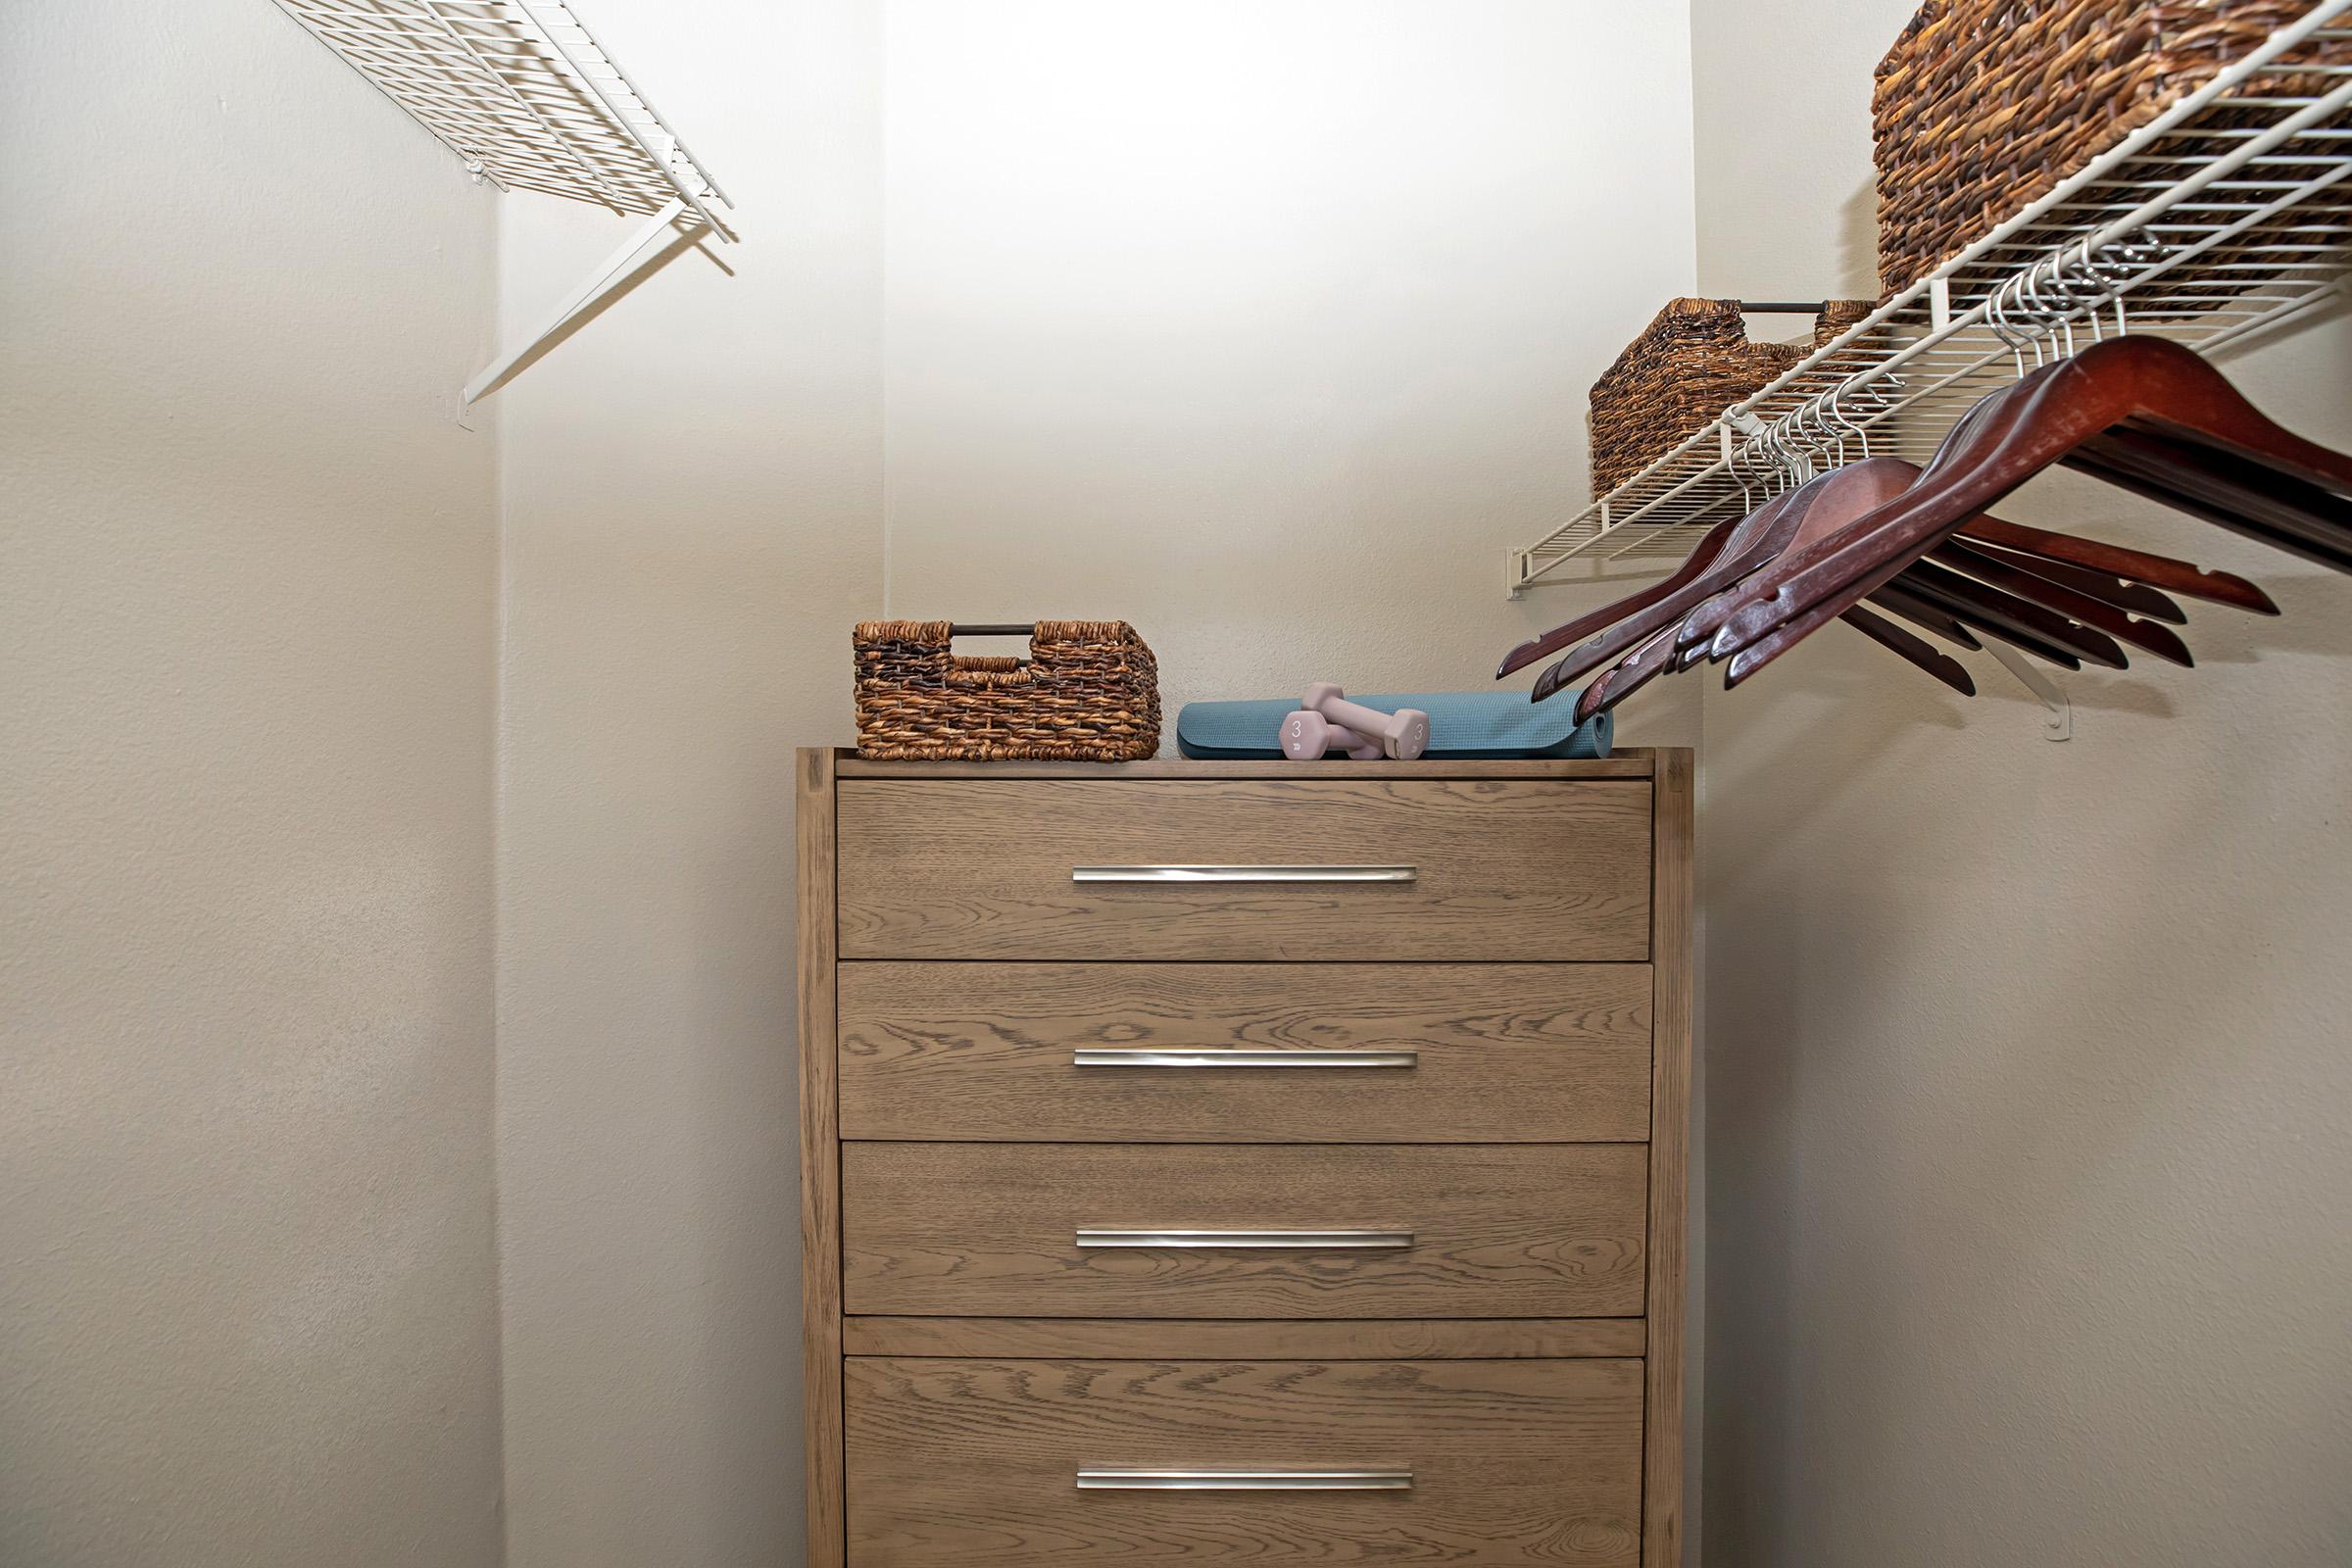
[1827, 505]
[1659, 654]
[1860, 487]
[1872, 483]
[1703, 555]
[1895, 600]
[2137, 598]
[1750, 543]
[1915, 650]
[2147, 635]
[2136, 565]
[2015, 620]
[2023, 609]
[1814, 510]
[2143, 413]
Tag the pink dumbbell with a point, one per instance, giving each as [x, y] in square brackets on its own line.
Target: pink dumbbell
[1402, 735]
[1306, 736]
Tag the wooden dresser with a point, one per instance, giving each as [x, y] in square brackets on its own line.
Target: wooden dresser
[1244, 1163]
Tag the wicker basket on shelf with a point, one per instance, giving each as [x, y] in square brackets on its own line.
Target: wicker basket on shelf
[1088, 693]
[1694, 361]
[1984, 106]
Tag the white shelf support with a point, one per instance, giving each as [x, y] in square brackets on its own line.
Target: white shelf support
[643, 245]
[2058, 719]
[529, 99]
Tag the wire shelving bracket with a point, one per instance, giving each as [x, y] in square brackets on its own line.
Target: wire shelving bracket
[2230, 212]
[522, 91]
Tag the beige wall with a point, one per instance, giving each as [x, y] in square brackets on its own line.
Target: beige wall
[1181, 301]
[1268, 328]
[693, 520]
[247, 1311]
[2027, 1061]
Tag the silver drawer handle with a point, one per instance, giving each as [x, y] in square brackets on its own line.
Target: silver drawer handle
[1242, 873]
[1091, 1478]
[1297, 1240]
[1228, 1057]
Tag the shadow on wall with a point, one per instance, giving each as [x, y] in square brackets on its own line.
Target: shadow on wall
[2009, 1048]
[696, 237]
[1858, 236]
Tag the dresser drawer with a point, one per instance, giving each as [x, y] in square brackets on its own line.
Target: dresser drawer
[1470, 869]
[1228, 1052]
[1325, 1231]
[1029, 1463]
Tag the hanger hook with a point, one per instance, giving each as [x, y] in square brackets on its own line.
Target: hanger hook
[1996, 315]
[2096, 283]
[1832, 423]
[2047, 317]
[1784, 453]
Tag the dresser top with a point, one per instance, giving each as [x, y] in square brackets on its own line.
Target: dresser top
[1636, 761]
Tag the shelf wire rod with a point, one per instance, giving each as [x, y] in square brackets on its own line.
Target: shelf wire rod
[2122, 227]
[645, 106]
[662, 161]
[596, 176]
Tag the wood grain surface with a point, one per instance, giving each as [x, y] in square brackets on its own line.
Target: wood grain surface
[1475, 1339]
[1631, 761]
[986, 1230]
[1506, 870]
[1669, 1158]
[1508, 1052]
[821, 1162]
[973, 1463]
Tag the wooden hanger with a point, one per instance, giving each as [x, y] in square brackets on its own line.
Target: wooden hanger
[1659, 654]
[2140, 411]
[1703, 554]
[1915, 650]
[1895, 600]
[1747, 545]
[2147, 635]
[2134, 565]
[1814, 510]
[1718, 561]
[2009, 602]
[2060, 560]
[2137, 598]
[2046, 606]
[1830, 503]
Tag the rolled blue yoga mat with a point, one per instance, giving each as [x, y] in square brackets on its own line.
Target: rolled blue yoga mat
[1462, 725]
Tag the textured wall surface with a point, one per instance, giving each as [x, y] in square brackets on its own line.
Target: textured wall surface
[247, 1291]
[2026, 1070]
[1268, 328]
[693, 495]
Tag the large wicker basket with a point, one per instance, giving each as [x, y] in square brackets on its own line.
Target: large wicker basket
[1088, 693]
[1694, 361]
[1984, 106]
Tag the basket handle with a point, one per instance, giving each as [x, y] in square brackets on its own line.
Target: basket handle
[991, 669]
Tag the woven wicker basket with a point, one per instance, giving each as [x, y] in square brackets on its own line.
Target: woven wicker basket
[1088, 693]
[1694, 361]
[1984, 106]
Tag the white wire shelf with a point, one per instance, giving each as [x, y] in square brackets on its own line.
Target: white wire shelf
[2229, 213]
[525, 94]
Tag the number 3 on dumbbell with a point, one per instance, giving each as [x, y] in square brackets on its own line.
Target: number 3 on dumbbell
[1327, 720]
[1307, 735]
